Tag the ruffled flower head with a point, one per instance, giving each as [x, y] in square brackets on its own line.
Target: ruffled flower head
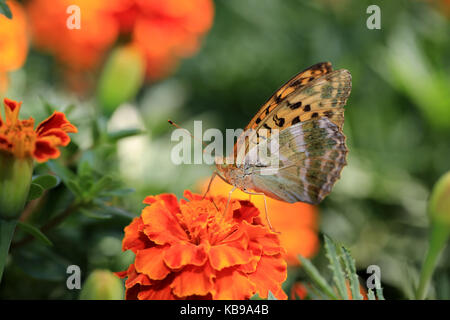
[19, 137]
[188, 249]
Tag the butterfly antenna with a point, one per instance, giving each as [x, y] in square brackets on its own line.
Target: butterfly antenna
[193, 137]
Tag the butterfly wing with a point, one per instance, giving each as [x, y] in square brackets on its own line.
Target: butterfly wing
[311, 155]
[323, 96]
[297, 82]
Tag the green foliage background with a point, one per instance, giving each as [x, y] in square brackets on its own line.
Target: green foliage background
[397, 127]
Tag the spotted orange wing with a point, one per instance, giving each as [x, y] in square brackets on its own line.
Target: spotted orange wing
[311, 94]
[296, 83]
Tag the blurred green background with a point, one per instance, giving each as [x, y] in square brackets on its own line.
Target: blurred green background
[397, 124]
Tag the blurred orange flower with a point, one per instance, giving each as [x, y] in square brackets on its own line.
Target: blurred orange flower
[13, 42]
[296, 222]
[168, 30]
[20, 139]
[189, 250]
[80, 49]
[163, 30]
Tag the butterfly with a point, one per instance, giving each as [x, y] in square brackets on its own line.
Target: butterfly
[303, 123]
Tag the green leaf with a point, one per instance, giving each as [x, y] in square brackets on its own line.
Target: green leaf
[314, 293]
[351, 274]
[73, 186]
[47, 181]
[118, 192]
[7, 228]
[61, 171]
[5, 10]
[95, 214]
[114, 210]
[35, 232]
[380, 295]
[40, 262]
[35, 192]
[101, 184]
[371, 295]
[84, 169]
[117, 135]
[317, 278]
[335, 266]
[270, 296]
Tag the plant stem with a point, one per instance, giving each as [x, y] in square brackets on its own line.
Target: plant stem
[438, 238]
[50, 224]
[7, 228]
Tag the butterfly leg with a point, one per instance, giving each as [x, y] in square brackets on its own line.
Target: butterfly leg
[265, 208]
[228, 202]
[209, 184]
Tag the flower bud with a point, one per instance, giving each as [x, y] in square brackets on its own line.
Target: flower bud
[102, 285]
[439, 210]
[15, 181]
[121, 77]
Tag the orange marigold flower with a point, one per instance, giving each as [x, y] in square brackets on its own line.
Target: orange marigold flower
[21, 139]
[79, 49]
[190, 250]
[168, 30]
[163, 30]
[13, 42]
[296, 222]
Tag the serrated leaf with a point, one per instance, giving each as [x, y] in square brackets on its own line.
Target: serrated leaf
[35, 192]
[314, 293]
[380, 295]
[270, 296]
[335, 266]
[371, 295]
[351, 275]
[317, 278]
[47, 181]
[35, 232]
[5, 10]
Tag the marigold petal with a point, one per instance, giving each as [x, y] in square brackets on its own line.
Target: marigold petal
[134, 278]
[231, 284]
[161, 225]
[150, 262]
[56, 121]
[134, 238]
[260, 234]
[193, 280]
[159, 290]
[12, 109]
[44, 149]
[270, 273]
[246, 213]
[5, 143]
[169, 199]
[181, 254]
[61, 136]
[226, 255]
[192, 196]
[156, 293]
